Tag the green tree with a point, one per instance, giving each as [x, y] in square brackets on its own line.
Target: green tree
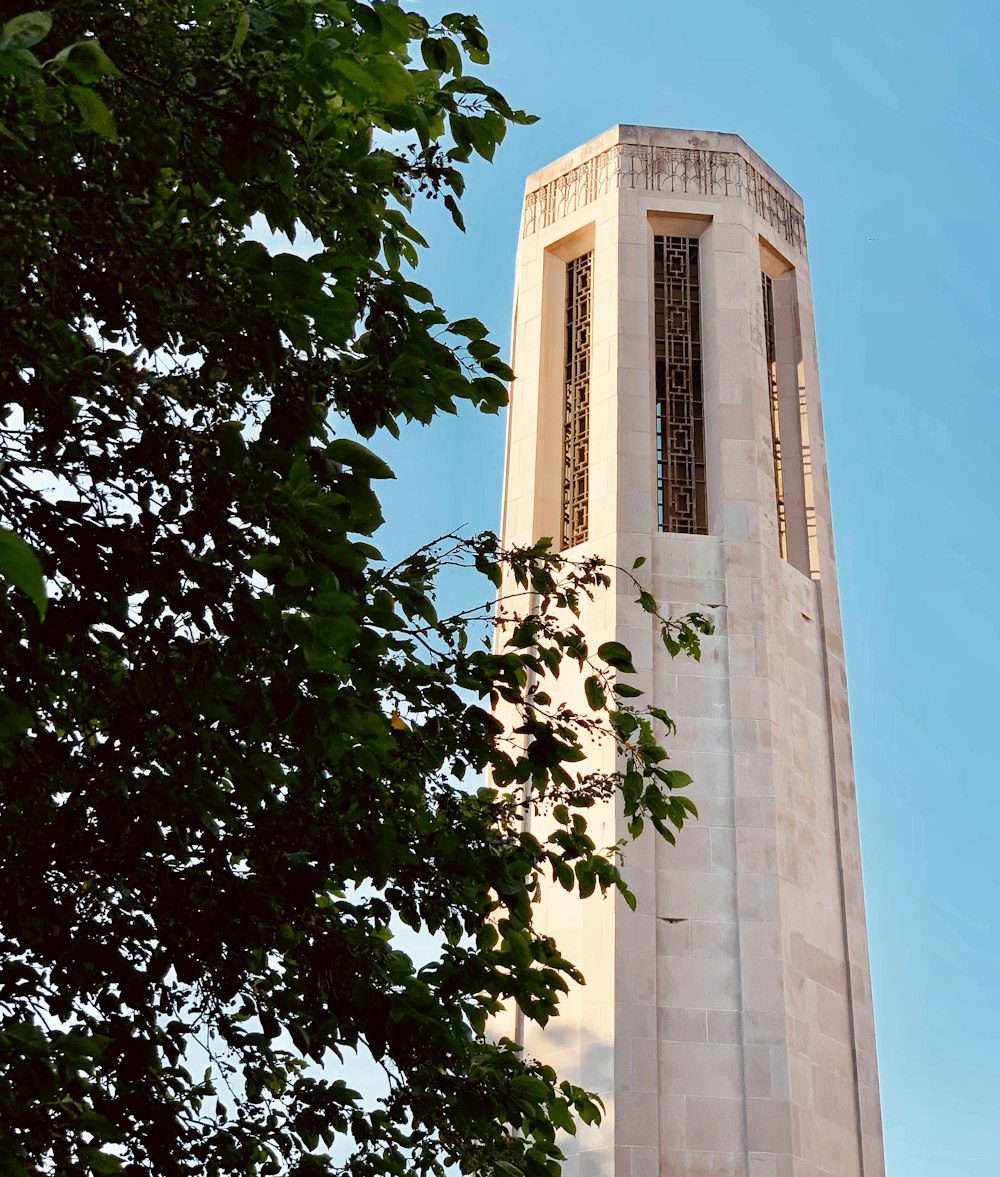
[232, 739]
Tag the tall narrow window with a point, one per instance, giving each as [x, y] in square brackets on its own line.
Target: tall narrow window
[680, 412]
[771, 349]
[576, 404]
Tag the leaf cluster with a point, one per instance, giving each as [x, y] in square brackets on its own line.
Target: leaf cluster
[237, 751]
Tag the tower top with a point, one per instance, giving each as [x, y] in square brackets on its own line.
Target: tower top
[662, 159]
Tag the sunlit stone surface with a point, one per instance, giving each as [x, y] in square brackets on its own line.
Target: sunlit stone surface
[727, 1023]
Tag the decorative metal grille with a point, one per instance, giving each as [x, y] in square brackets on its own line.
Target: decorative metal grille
[812, 533]
[680, 415]
[767, 290]
[663, 169]
[576, 402]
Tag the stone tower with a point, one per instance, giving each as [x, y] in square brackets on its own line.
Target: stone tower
[667, 406]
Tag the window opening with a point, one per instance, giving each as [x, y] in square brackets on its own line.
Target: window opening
[680, 411]
[576, 404]
[771, 350]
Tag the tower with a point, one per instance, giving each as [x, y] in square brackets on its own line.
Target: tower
[666, 406]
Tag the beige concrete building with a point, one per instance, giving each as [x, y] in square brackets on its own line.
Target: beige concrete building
[667, 405]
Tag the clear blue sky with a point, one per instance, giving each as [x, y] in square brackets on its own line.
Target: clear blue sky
[884, 117]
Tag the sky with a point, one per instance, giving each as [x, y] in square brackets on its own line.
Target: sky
[884, 117]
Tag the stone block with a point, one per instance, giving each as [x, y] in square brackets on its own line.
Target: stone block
[714, 1125]
[693, 981]
[724, 1026]
[683, 1025]
[769, 1126]
[701, 1069]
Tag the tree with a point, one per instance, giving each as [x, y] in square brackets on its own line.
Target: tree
[232, 740]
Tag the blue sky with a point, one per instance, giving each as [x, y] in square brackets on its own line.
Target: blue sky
[884, 117]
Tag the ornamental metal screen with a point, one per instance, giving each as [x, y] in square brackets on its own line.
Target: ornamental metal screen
[767, 290]
[576, 402]
[680, 411]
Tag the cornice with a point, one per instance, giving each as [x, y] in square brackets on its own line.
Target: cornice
[680, 170]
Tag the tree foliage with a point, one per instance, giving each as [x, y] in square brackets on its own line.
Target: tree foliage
[238, 750]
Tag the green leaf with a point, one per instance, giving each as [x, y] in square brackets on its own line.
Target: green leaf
[87, 61]
[13, 719]
[469, 328]
[625, 690]
[28, 29]
[559, 1114]
[297, 277]
[242, 28]
[518, 945]
[95, 114]
[586, 878]
[624, 723]
[300, 1037]
[98, 1162]
[647, 601]
[616, 655]
[451, 204]
[18, 63]
[19, 566]
[361, 460]
[590, 1113]
[434, 53]
[396, 23]
[368, 18]
[490, 569]
[595, 693]
[638, 562]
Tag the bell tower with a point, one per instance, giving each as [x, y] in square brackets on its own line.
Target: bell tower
[666, 406]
